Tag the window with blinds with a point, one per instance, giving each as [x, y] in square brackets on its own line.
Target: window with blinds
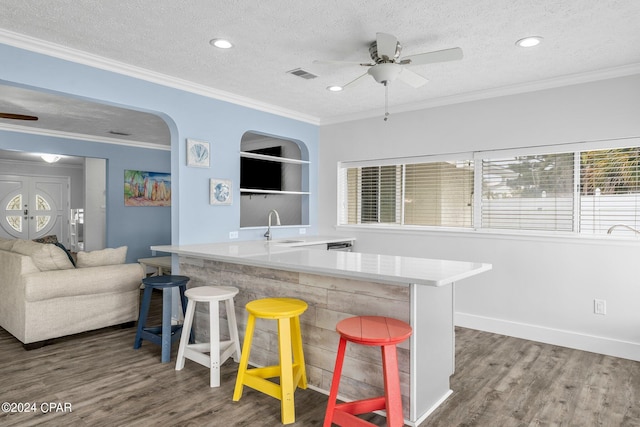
[528, 192]
[584, 192]
[430, 194]
[373, 195]
[609, 190]
[439, 194]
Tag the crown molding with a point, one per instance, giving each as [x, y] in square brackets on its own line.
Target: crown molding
[44, 47]
[555, 82]
[80, 137]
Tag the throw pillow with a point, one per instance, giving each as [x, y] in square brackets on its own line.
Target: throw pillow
[52, 238]
[100, 257]
[66, 251]
[46, 257]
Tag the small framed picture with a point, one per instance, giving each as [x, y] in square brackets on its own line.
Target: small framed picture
[198, 153]
[220, 192]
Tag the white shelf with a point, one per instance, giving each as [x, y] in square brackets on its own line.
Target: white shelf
[273, 158]
[256, 191]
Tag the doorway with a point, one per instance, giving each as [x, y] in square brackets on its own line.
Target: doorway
[34, 206]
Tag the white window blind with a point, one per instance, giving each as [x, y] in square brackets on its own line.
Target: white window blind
[431, 194]
[379, 189]
[609, 190]
[532, 192]
[439, 194]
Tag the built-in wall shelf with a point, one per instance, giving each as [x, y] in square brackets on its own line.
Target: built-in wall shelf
[273, 158]
[256, 191]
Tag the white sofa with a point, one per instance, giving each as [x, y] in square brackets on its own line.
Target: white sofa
[43, 296]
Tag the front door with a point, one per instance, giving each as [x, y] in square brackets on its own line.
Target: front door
[34, 206]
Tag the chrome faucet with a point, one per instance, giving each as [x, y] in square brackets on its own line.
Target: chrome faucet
[268, 233]
[622, 226]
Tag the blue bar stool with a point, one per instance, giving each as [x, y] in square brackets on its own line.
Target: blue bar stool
[165, 334]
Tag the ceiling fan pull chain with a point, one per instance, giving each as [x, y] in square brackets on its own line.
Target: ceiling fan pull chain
[386, 101]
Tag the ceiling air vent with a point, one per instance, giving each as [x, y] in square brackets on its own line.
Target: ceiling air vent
[302, 73]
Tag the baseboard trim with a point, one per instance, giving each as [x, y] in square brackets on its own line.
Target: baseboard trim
[578, 341]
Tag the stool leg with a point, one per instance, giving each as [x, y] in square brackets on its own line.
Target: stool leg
[335, 383]
[244, 359]
[142, 319]
[298, 354]
[392, 386]
[287, 406]
[214, 344]
[166, 325]
[186, 333]
[184, 303]
[233, 328]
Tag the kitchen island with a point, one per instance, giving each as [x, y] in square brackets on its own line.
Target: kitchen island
[337, 285]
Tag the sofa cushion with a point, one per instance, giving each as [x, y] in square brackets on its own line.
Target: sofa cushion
[101, 257]
[109, 279]
[6, 244]
[46, 257]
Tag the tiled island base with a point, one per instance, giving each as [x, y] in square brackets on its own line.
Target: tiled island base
[330, 300]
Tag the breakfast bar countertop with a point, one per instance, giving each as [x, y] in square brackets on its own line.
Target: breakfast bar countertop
[296, 255]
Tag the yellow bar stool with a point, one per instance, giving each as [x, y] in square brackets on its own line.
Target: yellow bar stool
[291, 370]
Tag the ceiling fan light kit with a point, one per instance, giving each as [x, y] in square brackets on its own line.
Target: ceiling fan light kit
[385, 72]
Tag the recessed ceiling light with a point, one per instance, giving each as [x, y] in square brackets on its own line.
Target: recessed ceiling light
[221, 43]
[334, 88]
[529, 41]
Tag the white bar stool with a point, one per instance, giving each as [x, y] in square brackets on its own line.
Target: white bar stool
[219, 351]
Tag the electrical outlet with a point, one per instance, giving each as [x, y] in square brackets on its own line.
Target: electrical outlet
[599, 306]
[233, 234]
[302, 230]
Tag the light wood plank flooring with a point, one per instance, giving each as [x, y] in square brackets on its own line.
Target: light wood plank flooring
[499, 381]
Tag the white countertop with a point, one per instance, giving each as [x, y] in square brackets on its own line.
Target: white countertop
[291, 255]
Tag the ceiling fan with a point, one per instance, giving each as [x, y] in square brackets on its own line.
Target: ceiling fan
[386, 65]
[17, 116]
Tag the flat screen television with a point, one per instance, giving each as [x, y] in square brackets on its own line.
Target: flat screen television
[261, 174]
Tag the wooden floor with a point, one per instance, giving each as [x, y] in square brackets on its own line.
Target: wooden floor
[499, 381]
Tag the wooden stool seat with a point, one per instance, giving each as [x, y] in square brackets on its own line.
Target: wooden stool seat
[291, 370]
[167, 333]
[380, 331]
[218, 351]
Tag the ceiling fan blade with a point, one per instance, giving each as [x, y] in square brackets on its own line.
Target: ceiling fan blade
[386, 44]
[452, 54]
[17, 116]
[356, 81]
[411, 78]
[322, 61]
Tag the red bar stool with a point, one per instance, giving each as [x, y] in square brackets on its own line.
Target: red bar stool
[380, 331]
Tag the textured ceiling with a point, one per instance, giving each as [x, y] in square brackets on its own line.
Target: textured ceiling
[270, 38]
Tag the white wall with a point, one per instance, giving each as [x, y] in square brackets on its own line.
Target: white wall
[540, 288]
[95, 211]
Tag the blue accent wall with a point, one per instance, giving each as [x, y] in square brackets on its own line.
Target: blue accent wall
[191, 219]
